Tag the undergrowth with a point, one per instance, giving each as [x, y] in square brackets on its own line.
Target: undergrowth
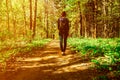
[10, 48]
[105, 53]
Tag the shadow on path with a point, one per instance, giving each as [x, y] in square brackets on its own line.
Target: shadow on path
[48, 64]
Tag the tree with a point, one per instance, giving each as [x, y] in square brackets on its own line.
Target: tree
[8, 17]
[95, 18]
[46, 6]
[35, 14]
[24, 16]
[80, 13]
[88, 18]
[30, 14]
[31, 21]
[104, 15]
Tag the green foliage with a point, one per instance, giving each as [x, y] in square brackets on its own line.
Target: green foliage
[38, 43]
[103, 77]
[12, 48]
[105, 51]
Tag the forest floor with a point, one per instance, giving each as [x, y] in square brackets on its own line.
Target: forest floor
[47, 63]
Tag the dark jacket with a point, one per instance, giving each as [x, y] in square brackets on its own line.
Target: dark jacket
[65, 29]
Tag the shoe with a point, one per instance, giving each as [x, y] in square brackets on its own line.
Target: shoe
[63, 53]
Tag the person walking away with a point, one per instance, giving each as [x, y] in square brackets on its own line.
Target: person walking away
[63, 27]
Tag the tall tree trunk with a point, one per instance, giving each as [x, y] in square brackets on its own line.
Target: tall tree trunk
[85, 25]
[47, 24]
[14, 20]
[8, 16]
[46, 16]
[14, 24]
[35, 14]
[80, 13]
[104, 15]
[24, 14]
[119, 17]
[30, 20]
[92, 18]
[95, 16]
[30, 14]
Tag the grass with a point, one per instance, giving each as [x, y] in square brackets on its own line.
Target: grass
[105, 49]
[10, 47]
[105, 53]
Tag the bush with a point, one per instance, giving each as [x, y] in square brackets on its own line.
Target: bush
[10, 48]
[105, 51]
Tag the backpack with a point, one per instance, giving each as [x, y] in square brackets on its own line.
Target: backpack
[63, 24]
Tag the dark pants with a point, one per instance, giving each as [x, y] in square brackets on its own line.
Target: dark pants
[63, 42]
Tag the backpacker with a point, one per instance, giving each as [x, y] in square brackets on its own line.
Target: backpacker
[63, 24]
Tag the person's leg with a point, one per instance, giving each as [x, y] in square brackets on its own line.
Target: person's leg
[61, 42]
[65, 42]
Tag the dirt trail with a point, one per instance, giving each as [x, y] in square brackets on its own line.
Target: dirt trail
[48, 64]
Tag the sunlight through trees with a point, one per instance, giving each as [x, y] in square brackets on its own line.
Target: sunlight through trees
[88, 18]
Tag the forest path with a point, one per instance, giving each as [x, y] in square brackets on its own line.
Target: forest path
[48, 64]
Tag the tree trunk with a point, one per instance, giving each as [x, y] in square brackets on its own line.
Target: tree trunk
[95, 16]
[8, 16]
[47, 24]
[24, 14]
[85, 25]
[104, 15]
[46, 16]
[30, 20]
[81, 26]
[119, 18]
[14, 20]
[30, 14]
[35, 14]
